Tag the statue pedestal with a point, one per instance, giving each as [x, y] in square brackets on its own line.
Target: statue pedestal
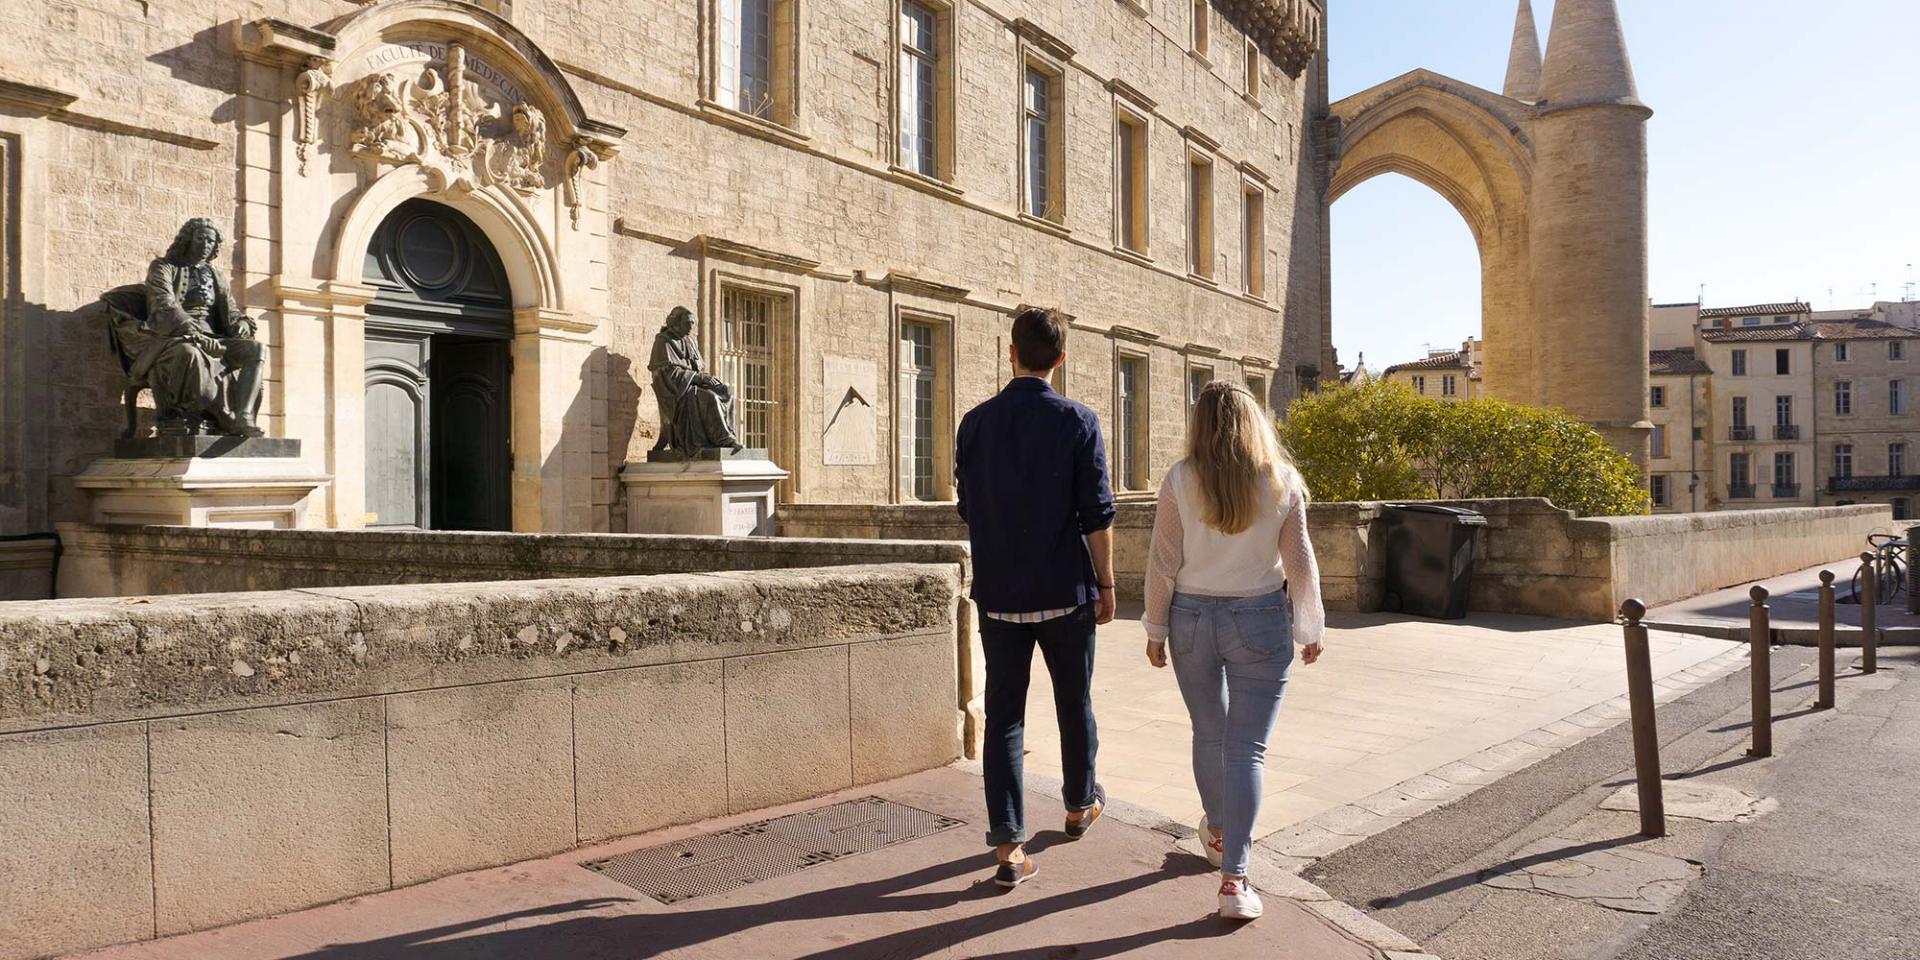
[731, 496]
[202, 481]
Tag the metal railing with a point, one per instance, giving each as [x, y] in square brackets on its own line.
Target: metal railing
[1740, 432]
[1740, 491]
[1785, 491]
[1786, 431]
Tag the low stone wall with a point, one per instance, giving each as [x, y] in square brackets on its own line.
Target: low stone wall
[119, 561]
[176, 763]
[1531, 557]
[26, 567]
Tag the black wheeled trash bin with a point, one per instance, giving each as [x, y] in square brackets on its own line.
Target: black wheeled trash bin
[1430, 558]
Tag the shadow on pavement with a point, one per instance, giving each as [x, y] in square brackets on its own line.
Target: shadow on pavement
[1463, 880]
[654, 934]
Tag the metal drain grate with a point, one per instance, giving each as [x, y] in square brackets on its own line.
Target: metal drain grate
[731, 859]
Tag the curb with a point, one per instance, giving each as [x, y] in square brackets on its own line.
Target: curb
[1269, 875]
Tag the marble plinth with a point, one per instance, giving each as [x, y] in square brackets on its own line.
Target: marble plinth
[203, 482]
[731, 496]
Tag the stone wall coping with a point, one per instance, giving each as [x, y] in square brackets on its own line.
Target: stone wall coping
[78, 662]
[1628, 528]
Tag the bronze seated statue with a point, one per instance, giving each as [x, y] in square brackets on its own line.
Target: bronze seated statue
[178, 335]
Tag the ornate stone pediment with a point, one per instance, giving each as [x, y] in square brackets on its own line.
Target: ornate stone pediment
[447, 87]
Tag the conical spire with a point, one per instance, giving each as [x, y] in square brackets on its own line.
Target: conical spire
[1523, 66]
[1587, 56]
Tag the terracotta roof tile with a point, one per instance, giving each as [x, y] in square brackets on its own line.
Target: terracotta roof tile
[1679, 362]
[1440, 361]
[1774, 331]
[1757, 309]
[1862, 329]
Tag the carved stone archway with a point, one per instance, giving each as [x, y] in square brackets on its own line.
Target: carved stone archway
[1551, 178]
[1468, 146]
[446, 101]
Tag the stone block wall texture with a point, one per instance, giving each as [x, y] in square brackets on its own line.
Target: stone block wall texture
[1530, 558]
[163, 763]
[163, 118]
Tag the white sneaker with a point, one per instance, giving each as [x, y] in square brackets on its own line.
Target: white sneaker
[1215, 849]
[1239, 902]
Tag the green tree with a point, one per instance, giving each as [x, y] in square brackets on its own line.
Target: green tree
[1382, 441]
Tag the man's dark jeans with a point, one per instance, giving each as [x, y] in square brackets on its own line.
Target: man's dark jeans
[1067, 645]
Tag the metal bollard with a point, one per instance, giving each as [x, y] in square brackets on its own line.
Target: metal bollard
[1869, 613]
[1760, 639]
[1646, 736]
[1825, 702]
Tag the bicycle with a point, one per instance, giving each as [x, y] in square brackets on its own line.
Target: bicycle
[1889, 567]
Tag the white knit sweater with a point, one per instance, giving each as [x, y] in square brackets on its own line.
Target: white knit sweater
[1187, 556]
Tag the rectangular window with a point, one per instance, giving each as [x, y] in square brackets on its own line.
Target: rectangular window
[1420, 385]
[1783, 411]
[1130, 448]
[754, 58]
[1739, 363]
[1257, 385]
[752, 331]
[920, 69]
[916, 411]
[1738, 470]
[1657, 485]
[1896, 350]
[1896, 459]
[1783, 362]
[1840, 352]
[1739, 411]
[1130, 181]
[1659, 441]
[1657, 397]
[1896, 397]
[1253, 70]
[1842, 460]
[1199, 216]
[1253, 241]
[1901, 509]
[1842, 398]
[1449, 385]
[1202, 28]
[1783, 474]
[1042, 143]
[1197, 380]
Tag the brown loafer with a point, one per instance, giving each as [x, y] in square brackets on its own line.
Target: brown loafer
[1076, 830]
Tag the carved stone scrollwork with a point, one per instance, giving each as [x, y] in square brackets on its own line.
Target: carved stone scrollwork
[312, 84]
[387, 129]
[519, 157]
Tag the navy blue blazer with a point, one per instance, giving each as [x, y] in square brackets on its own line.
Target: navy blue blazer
[1030, 471]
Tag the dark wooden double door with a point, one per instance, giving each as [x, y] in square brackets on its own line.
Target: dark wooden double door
[439, 366]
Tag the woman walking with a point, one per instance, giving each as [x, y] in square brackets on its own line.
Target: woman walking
[1232, 589]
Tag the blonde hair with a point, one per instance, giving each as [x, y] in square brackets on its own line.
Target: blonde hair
[1235, 457]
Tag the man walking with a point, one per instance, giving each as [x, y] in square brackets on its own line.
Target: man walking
[1031, 473]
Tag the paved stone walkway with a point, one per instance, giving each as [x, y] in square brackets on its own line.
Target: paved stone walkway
[1400, 716]
[1793, 610]
[1124, 891]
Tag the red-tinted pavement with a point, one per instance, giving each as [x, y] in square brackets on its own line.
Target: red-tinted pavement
[1124, 891]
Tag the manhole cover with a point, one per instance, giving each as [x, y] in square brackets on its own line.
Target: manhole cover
[731, 859]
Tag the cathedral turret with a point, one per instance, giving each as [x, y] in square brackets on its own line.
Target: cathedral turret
[1589, 224]
[1523, 65]
[1587, 56]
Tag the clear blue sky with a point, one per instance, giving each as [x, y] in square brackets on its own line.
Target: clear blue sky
[1784, 158]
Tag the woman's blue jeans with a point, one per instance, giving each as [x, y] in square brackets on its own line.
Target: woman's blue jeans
[1231, 656]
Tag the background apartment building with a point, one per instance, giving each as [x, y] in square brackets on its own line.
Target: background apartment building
[1679, 451]
[1444, 374]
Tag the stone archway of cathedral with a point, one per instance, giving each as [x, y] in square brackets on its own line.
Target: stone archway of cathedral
[1550, 176]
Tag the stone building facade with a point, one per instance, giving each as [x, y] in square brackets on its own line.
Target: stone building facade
[1443, 374]
[1788, 406]
[474, 217]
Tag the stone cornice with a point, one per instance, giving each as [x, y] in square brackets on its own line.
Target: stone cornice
[734, 250]
[1130, 93]
[1261, 362]
[1134, 334]
[1049, 44]
[273, 41]
[907, 283]
[37, 99]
